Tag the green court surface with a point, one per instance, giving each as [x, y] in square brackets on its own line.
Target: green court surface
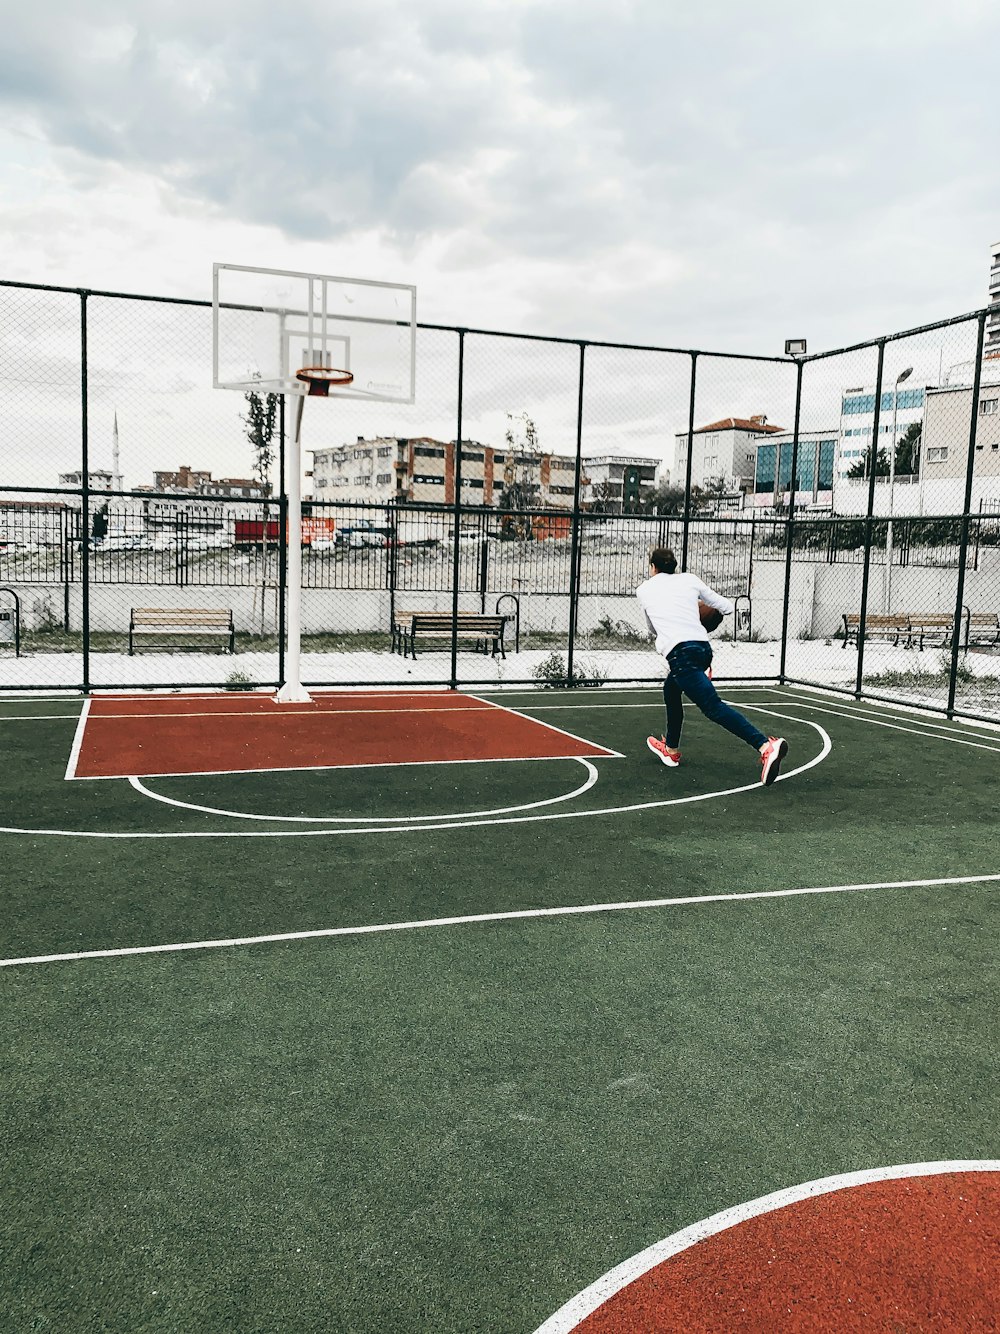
[432, 1047]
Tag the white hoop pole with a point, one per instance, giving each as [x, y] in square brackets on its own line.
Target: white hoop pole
[293, 692]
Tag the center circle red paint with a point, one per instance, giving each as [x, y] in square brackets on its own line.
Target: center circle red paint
[914, 1253]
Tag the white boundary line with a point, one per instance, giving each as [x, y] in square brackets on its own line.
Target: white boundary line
[458, 824]
[586, 1302]
[522, 914]
[562, 731]
[924, 731]
[373, 819]
[74, 753]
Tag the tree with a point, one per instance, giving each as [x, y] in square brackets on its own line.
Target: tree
[519, 492]
[99, 527]
[260, 420]
[603, 499]
[862, 466]
[666, 498]
[908, 449]
[907, 456]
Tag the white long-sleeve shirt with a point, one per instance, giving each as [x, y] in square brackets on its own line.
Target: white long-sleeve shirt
[670, 602]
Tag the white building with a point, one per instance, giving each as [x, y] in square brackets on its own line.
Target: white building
[857, 421]
[724, 451]
[992, 345]
[616, 480]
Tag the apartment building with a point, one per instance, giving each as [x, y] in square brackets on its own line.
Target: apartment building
[945, 447]
[991, 348]
[423, 469]
[724, 451]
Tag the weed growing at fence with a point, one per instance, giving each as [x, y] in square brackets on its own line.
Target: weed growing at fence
[553, 673]
[621, 630]
[240, 681]
[910, 678]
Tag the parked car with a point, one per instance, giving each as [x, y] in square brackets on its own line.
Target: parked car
[364, 534]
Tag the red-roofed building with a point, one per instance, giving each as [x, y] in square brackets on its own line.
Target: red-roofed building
[723, 453]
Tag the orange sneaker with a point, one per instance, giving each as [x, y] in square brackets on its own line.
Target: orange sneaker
[667, 755]
[770, 759]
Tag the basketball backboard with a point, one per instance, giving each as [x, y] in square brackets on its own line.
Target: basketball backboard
[269, 323]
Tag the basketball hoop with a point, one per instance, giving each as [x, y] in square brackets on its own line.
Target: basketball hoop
[321, 379]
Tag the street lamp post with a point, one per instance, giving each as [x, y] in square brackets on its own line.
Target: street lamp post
[903, 375]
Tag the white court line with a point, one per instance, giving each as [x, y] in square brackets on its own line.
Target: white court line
[906, 708]
[459, 824]
[373, 819]
[562, 732]
[895, 727]
[74, 753]
[577, 910]
[286, 712]
[586, 1302]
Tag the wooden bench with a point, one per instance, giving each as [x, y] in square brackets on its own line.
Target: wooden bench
[983, 628]
[936, 626]
[182, 627]
[922, 628]
[876, 627]
[484, 630]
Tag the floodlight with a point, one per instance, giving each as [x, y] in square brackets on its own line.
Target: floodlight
[795, 347]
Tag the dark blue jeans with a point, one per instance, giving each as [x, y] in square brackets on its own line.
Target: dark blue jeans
[688, 664]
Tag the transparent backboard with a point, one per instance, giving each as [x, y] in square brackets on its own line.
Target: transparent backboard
[269, 323]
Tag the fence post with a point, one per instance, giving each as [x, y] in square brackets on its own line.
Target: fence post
[282, 541]
[687, 472]
[790, 521]
[456, 554]
[574, 583]
[85, 494]
[873, 463]
[963, 550]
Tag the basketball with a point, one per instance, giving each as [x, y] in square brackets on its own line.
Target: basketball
[710, 618]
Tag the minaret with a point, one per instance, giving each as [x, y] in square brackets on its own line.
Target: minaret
[116, 479]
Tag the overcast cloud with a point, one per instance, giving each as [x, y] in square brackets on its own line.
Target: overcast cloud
[716, 175]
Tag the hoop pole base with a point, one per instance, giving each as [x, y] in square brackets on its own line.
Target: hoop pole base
[293, 692]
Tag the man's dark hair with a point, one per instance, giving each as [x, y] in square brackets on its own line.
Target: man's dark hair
[663, 560]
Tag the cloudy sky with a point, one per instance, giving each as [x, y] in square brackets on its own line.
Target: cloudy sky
[716, 175]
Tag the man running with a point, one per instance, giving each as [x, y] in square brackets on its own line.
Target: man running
[670, 602]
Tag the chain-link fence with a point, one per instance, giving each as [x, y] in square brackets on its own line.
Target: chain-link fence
[849, 503]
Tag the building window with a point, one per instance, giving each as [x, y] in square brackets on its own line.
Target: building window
[384, 451]
[427, 452]
[384, 478]
[937, 453]
[428, 481]
[988, 407]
